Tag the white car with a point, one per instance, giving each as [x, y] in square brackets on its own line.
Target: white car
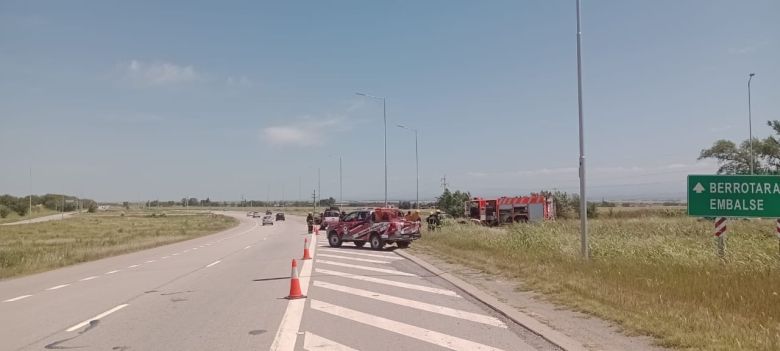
[250, 214]
[268, 220]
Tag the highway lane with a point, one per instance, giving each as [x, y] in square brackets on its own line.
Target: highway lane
[195, 295]
[226, 292]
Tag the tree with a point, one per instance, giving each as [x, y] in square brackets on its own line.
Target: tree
[405, 205]
[736, 159]
[562, 202]
[92, 207]
[4, 211]
[452, 203]
[126, 205]
[327, 202]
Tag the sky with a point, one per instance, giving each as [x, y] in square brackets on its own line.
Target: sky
[139, 100]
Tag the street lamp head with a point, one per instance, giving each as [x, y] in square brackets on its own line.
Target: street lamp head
[752, 74]
[361, 94]
[401, 126]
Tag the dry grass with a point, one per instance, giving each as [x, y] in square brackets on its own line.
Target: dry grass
[655, 276]
[37, 247]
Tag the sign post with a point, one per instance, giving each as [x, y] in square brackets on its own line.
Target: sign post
[733, 196]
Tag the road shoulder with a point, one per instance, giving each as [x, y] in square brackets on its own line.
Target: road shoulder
[567, 329]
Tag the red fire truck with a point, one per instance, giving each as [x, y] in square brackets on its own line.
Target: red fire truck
[505, 210]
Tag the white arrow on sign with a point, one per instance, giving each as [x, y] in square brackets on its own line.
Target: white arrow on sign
[698, 188]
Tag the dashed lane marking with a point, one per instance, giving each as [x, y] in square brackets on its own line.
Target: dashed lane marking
[88, 278]
[102, 315]
[58, 287]
[351, 252]
[112, 272]
[213, 263]
[17, 298]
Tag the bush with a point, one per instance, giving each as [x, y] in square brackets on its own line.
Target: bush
[4, 211]
[92, 207]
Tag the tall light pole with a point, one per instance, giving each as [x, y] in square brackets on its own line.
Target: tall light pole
[583, 201]
[341, 185]
[417, 165]
[384, 116]
[750, 123]
[29, 215]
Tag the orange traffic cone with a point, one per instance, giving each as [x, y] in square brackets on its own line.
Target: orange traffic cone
[316, 229]
[306, 255]
[295, 285]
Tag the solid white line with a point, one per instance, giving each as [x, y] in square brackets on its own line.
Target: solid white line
[213, 263]
[88, 278]
[389, 282]
[106, 313]
[134, 266]
[447, 311]
[350, 252]
[150, 261]
[164, 257]
[17, 298]
[380, 270]
[247, 247]
[176, 254]
[287, 334]
[194, 248]
[58, 287]
[353, 258]
[313, 342]
[430, 336]
[112, 272]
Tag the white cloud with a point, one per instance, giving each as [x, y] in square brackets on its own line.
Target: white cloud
[158, 73]
[305, 132]
[239, 82]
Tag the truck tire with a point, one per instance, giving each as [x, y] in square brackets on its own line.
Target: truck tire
[376, 242]
[403, 244]
[334, 240]
[359, 243]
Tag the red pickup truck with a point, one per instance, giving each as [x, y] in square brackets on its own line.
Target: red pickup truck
[378, 226]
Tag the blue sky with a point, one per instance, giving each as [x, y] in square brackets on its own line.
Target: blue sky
[143, 100]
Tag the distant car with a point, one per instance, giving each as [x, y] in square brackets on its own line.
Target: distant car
[268, 212]
[268, 220]
[250, 214]
[280, 216]
[256, 215]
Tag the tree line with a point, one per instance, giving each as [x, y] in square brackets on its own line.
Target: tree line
[55, 202]
[736, 158]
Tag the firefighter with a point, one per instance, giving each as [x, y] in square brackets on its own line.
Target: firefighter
[310, 222]
[416, 216]
[433, 220]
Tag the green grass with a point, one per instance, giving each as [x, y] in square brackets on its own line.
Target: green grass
[37, 247]
[655, 276]
[37, 212]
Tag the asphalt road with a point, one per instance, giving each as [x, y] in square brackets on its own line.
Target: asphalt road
[226, 292]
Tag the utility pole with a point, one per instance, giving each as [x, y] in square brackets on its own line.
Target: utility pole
[29, 216]
[319, 185]
[583, 199]
[444, 183]
[750, 123]
[314, 202]
[341, 186]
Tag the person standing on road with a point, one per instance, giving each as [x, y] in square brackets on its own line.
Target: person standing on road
[310, 222]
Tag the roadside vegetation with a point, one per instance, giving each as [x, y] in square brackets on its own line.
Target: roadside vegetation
[37, 247]
[655, 275]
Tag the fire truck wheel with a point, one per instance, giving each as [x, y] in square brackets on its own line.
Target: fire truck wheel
[403, 244]
[359, 243]
[376, 242]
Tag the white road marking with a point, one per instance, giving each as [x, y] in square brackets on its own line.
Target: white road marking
[213, 263]
[351, 252]
[176, 254]
[112, 272]
[88, 278]
[106, 313]
[353, 258]
[287, 334]
[150, 261]
[58, 287]
[380, 270]
[194, 248]
[388, 282]
[427, 307]
[134, 266]
[313, 342]
[17, 298]
[164, 257]
[248, 246]
[430, 336]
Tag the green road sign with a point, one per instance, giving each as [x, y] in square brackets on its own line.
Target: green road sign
[734, 196]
